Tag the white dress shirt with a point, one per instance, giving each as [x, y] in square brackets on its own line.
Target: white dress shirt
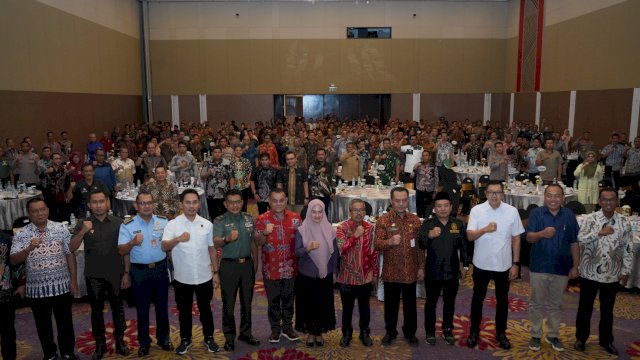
[413, 155]
[492, 251]
[191, 261]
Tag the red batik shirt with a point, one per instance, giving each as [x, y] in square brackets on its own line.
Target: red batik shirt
[278, 258]
[358, 259]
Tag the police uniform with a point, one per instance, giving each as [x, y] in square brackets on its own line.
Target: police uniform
[442, 268]
[236, 271]
[149, 275]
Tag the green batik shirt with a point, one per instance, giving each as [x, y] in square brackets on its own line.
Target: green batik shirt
[389, 164]
[244, 223]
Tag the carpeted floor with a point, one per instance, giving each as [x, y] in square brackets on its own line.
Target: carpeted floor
[626, 331]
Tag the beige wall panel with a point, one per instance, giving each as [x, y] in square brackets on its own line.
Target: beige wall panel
[30, 113]
[402, 106]
[45, 49]
[238, 58]
[456, 107]
[603, 112]
[524, 108]
[263, 73]
[554, 107]
[214, 74]
[511, 64]
[594, 51]
[289, 63]
[403, 66]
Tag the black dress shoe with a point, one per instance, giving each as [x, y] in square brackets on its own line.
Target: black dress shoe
[101, 349]
[579, 345]
[503, 341]
[413, 340]
[319, 343]
[387, 339]
[365, 338]
[229, 345]
[168, 346]
[472, 340]
[249, 340]
[346, 340]
[608, 347]
[143, 350]
[122, 348]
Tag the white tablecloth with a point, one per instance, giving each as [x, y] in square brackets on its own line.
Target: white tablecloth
[521, 199]
[379, 201]
[11, 209]
[124, 200]
[475, 172]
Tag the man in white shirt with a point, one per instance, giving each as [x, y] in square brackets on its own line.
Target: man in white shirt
[495, 228]
[189, 237]
[412, 155]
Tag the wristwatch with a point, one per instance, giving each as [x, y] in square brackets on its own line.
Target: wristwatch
[517, 263]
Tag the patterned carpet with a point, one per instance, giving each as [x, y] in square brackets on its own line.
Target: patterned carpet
[626, 330]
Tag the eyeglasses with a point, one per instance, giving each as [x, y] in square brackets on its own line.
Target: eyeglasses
[494, 193]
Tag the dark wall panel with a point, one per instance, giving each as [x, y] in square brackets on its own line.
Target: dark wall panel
[524, 110]
[161, 106]
[554, 109]
[189, 106]
[452, 106]
[500, 108]
[602, 112]
[247, 109]
[27, 113]
[402, 106]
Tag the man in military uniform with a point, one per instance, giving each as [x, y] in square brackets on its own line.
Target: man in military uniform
[103, 269]
[140, 239]
[233, 233]
[443, 236]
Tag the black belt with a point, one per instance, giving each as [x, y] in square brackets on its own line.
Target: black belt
[148, 266]
[241, 260]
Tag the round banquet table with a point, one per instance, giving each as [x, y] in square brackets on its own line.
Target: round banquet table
[12, 208]
[124, 201]
[475, 172]
[634, 276]
[378, 199]
[521, 198]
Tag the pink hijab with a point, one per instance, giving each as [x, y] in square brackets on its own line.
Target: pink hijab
[321, 232]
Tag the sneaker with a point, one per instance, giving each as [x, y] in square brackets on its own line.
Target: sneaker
[290, 334]
[274, 338]
[534, 344]
[184, 346]
[447, 334]
[431, 339]
[556, 344]
[211, 345]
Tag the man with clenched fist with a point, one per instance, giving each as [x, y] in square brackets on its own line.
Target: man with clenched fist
[189, 238]
[445, 239]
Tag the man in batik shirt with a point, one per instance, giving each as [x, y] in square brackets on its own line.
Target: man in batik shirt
[182, 163]
[321, 180]
[219, 179]
[388, 158]
[275, 234]
[263, 180]
[241, 168]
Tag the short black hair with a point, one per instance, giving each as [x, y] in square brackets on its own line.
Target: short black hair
[277, 191]
[496, 182]
[398, 189]
[265, 155]
[33, 201]
[189, 191]
[607, 189]
[182, 142]
[554, 185]
[141, 193]
[232, 192]
[87, 164]
[97, 191]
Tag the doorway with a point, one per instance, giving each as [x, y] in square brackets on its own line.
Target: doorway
[341, 106]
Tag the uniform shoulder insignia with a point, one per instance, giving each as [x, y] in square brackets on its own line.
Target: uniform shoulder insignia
[162, 217]
[129, 220]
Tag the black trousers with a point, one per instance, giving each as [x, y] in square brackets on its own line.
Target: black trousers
[480, 282]
[449, 289]
[263, 207]
[613, 175]
[236, 277]
[348, 295]
[588, 291]
[280, 295]
[99, 290]
[184, 302]
[423, 198]
[246, 195]
[216, 207]
[392, 293]
[8, 330]
[146, 282]
[60, 306]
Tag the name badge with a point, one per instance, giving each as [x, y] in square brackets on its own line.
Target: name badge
[413, 243]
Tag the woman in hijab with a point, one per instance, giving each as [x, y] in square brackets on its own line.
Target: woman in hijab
[317, 253]
[588, 174]
[74, 167]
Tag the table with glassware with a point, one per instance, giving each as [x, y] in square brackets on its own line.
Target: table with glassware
[379, 197]
[13, 204]
[634, 276]
[124, 201]
[475, 172]
[521, 195]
